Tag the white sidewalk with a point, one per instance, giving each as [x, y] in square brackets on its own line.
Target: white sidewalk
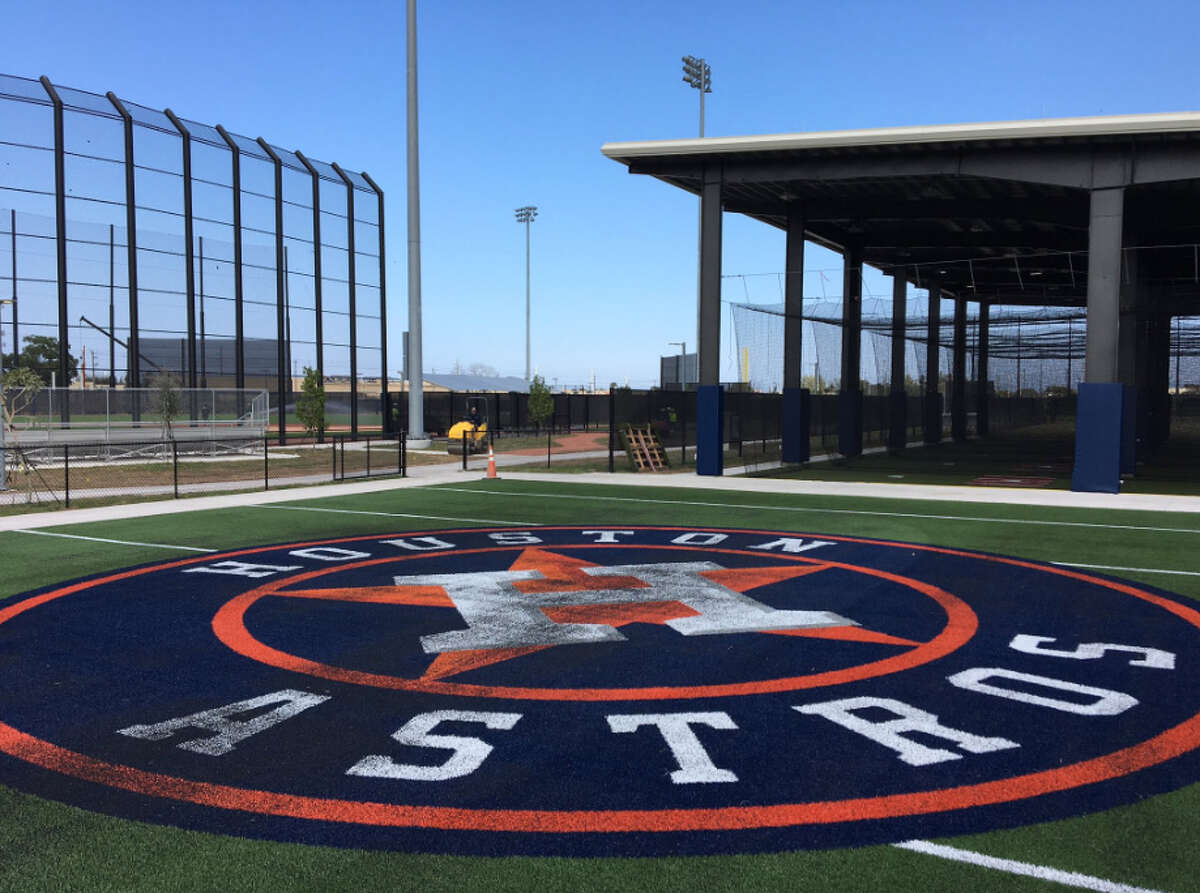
[430, 475]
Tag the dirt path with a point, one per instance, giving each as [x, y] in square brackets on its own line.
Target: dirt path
[584, 441]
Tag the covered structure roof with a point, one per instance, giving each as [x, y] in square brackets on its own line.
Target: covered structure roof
[1000, 211]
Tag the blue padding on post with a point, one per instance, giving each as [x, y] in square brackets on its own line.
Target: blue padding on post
[795, 424]
[1129, 431]
[1098, 436]
[850, 435]
[710, 430]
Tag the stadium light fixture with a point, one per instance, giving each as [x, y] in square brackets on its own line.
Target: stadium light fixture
[698, 74]
[526, 216]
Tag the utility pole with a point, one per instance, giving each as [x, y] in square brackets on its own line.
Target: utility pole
[698, 74]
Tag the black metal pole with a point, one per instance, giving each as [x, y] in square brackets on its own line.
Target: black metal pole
[316, 241]
[464, 448]
[67, 476]
[404, 453]
[383, 351]
[60, 239]
[189, 241]
[133, 370]
[203, 339]
[282, 373]
[16, 334]
[368, 457]
[175, 467]
[239, 342]
[612, 430]
[266, 466]
[112, 305]
[353, 308]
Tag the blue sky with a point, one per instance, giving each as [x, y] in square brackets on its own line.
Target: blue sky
[517, 98]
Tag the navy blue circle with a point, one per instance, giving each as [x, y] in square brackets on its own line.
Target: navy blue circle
[135, 652]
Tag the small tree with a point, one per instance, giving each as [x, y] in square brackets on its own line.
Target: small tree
[18, 387]
[169, 402]
[310, 405]
[541, 402]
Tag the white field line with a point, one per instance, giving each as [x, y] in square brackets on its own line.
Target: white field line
[1113, 567]
[820, 511]
[97, 539]
[1041, 872]
[307, 508]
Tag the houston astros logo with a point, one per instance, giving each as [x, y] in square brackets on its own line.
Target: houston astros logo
[599, 690]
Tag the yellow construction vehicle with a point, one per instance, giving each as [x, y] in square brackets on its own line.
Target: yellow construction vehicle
[473, 429]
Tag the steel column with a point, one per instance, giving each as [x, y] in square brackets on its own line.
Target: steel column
[239, 331]
[794, 426]
[353, 305]
[316, 242]
[932, 422]
[416, 394]
[1105, 238]
[383, 353]
[189, 240]
[982, 385]
[60, 240]
[850, 395]
[133, 363]
[709, 397]
[958, 393]
[282, 342]
[898, 394]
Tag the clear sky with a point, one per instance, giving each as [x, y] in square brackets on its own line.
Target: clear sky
[517, 98]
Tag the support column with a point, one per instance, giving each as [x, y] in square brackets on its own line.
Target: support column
[239, 331]
[897, 396]
[982, 385]
[282, 342]
[710, 415]
[133, 350]
[189, 248]
[316, 242]
[60, 244]
[958, 392]
[795, 397]
[384, 407]
[932, 418]
[850, 395]
[1101, 396]
[353, 301]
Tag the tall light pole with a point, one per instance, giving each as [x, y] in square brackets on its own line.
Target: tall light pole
[416, 394]
[682, 359]
[526, 215]
[698, 75]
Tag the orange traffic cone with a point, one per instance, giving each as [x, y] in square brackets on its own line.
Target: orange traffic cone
[491, 472]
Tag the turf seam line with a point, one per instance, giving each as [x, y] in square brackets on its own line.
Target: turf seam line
[1028, 869]
[97, 539]
[790, 508]
[309, 508]
[1113, 567]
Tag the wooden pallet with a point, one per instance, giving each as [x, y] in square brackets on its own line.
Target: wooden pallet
[645, 449]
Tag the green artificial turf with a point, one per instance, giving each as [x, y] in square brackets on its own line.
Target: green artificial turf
[49, 846]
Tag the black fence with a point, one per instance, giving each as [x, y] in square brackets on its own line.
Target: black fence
[56, 475]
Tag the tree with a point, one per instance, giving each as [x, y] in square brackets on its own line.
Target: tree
[541, 402]
[169, 402]
[310, 405]
[18, 387]
[482, 369]
[40, 355]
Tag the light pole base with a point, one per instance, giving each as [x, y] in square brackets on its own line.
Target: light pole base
[418, 443]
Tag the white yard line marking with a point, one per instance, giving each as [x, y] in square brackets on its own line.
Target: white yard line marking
[1041, 872]
[97, 539]
[1113, 567]
[307, 508]
[823, 511]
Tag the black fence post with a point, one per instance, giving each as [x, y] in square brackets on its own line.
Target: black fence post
[549, 441]
[403, 454]
[343, 440]
[333, 453]
[67, 476]
[175, 467]
[612, 429]
[368, 457]
[682, 416]
[266, 466]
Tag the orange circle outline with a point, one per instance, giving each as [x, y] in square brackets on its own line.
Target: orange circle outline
[1166, 745]
[230, 629]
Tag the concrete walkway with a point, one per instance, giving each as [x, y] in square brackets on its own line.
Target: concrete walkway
[430, 475]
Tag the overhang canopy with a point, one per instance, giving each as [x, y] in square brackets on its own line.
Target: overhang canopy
[998, 210]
